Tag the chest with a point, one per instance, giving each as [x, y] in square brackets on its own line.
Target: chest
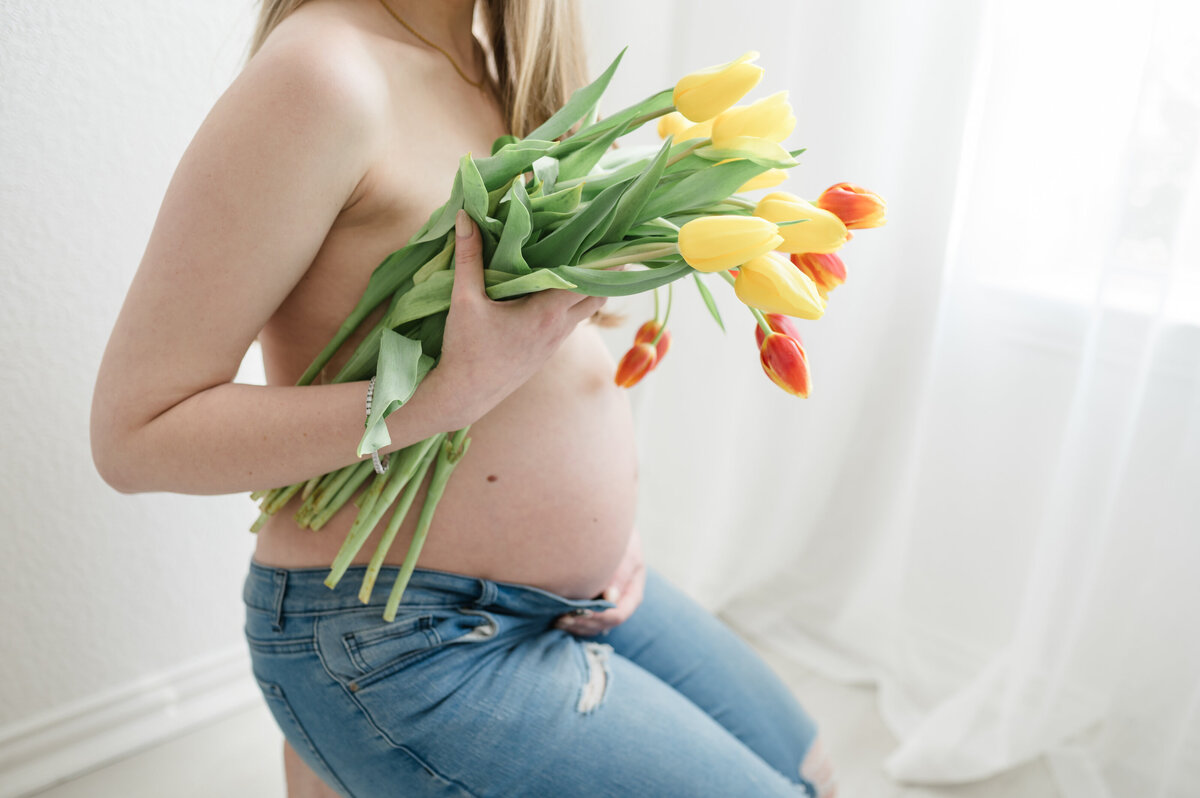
[410, 176]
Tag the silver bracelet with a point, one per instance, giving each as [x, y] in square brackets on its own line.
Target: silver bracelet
[380, 466]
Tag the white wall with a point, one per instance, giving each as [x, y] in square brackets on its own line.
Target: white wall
[99, 589]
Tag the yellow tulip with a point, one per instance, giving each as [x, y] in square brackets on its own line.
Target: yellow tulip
[770, 118]
[677, 125]
[773, 285]
[717, 243]
[768, 179]
[820, 232]
[707, 92]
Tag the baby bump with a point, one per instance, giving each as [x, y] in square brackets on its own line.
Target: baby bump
[547, 492]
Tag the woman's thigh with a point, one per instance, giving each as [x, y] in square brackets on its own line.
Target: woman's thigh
[684, 645]
[546, 714]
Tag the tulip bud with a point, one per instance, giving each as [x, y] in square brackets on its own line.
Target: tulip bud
[677, 125]
[707, 92]
[770, 118]
[716, 243]
[768, 179]
[825, 269]
[634, 365]
[778, 323]
[854, 205]
[820, 230]
[645, 335]
[784, 361]
[773, 285]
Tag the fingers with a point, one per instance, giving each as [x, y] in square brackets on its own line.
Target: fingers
[468, 259]
[581, 310]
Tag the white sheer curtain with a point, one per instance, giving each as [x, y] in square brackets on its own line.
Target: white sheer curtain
[990, 506]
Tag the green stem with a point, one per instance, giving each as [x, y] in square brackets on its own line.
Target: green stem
[685, 153]
[656, 304]
[452, 452]
[386, 488]
[398, 516]
[633, 255]
[357, 478]
[662, 327]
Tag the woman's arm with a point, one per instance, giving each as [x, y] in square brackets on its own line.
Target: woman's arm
[279, 156]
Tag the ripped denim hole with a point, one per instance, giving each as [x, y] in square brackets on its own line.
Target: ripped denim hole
[594, 688]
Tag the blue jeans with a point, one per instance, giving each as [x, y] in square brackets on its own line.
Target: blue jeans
[471, 691]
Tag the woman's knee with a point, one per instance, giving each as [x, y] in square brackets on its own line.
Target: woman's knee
[817, 769]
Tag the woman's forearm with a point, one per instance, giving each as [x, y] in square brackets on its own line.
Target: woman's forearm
[235, 437]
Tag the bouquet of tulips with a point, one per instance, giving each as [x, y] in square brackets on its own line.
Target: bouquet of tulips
[561, 209]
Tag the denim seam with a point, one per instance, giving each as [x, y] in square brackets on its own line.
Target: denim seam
[356, 606]
[383, 734]
[278, 693]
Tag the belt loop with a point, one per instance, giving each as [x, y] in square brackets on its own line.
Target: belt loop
[279, 578]
[487, 593]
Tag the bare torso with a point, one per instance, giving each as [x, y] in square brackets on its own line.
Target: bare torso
[547, 491]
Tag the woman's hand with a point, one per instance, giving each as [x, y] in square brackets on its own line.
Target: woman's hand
[625, 589]
[491, 348]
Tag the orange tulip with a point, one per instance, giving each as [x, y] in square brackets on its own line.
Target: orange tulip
[635, 364]
[825, 269]
[784, 361]
[854, 205]
[779, 323]
[645, 335]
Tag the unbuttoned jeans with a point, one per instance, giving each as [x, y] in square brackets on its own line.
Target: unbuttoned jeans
[472, 691]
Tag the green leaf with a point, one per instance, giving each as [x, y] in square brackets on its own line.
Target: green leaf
[580, 162]
[702, 188]
[388, 276]
[442, 220]
[560, 247]
[502, 286]
[503, 141]
[708, 300]
[545, 173]
[765, 153]
[508, 256]
[651, 105]
[437, 263]
[581, 103]
[562, 201]
[475, 198]
[402, 366]
[510, 161]
[632, 201]
[602, 282]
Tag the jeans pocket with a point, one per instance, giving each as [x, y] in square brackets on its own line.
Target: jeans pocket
[358, 646]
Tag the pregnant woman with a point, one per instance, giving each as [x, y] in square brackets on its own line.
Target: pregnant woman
[533, 653]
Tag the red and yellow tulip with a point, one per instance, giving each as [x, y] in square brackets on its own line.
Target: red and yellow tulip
[826, 269]
[646, 334]
[784, 361]
[854, 205]
[635, 364]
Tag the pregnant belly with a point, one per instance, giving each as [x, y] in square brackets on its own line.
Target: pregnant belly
[545, 496]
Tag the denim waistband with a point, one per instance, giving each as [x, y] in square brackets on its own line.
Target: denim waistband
[300, 591]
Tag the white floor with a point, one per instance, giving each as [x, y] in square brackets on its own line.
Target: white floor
[240, 757]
